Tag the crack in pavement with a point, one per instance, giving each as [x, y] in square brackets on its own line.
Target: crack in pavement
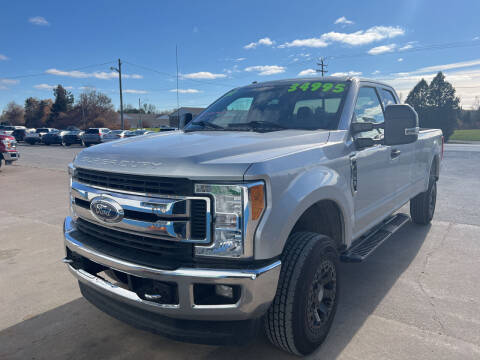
[430, 298]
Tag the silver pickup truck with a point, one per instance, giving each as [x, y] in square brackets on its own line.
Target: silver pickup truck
[241, 219]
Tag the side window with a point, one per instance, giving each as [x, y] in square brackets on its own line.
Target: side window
[387, 98]
[369, 109]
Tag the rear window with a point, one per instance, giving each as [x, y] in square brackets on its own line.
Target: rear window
[41, 130]
[92, 131]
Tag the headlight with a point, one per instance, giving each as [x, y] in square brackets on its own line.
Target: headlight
[71, 200]
[237, 211]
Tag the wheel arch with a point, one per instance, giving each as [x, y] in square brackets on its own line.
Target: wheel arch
[324, 217]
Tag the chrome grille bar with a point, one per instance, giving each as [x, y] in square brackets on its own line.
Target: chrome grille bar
[166, 218]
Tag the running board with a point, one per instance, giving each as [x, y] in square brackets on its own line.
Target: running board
[367, 244]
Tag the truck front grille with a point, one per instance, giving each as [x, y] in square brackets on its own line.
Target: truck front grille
[135, 183]
[139, 249]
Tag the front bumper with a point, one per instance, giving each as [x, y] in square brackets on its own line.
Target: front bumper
[258, 286]
[11, 155]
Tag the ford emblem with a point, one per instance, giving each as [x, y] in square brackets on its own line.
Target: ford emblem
[106, 210]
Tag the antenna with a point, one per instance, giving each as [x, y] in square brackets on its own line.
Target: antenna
[178, 102]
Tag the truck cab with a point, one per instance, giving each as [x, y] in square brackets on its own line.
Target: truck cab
[240, 220]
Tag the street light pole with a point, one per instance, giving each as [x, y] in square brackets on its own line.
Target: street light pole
[119, 71]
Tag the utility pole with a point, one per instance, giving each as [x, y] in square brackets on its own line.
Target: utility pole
[139, 115]
[323, 66]
[119, 71]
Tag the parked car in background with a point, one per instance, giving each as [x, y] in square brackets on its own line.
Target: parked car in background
[115, 135]
[8, 130]
[138, 132]
[74, 136]
[37, 136]
[167, 128]
[54, 137]
[19, 134]
[94, 136]
[8, 150]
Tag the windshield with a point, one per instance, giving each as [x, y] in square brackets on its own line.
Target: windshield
[295, 105]
[92, 131]
[115, 132]
[41, 130]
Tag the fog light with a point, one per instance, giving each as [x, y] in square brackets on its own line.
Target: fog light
[224, 290]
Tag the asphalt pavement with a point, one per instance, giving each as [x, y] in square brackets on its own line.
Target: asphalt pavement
[417, 297]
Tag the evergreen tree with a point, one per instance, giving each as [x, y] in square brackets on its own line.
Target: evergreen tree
[63, 103]
[436, 104]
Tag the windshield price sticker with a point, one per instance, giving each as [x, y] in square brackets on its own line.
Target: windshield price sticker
[316, 86]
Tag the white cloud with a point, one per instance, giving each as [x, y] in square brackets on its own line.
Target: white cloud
[98, 75]
[266, 69]
[382, 49]
[457, 65]
[349, 73]
[134, 91]
[376, 72]
[264, 41]
[343, 20]
[3, 57]
[50, 87]
[39, 20]
[203, 75]
[476, 38]
[9, 81]
[240, 59]
[312, 42]
[406, 47]
[362, 37]
[186, 91]
[307, 72]
[400, 59]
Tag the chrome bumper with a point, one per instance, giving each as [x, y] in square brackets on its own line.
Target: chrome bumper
[11, 155]
[258, 286]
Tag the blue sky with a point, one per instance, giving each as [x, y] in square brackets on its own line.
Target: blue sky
[223, 44]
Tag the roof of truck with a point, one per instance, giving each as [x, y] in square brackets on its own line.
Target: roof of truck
[318, 78]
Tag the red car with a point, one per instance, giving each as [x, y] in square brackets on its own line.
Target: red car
[8, 149]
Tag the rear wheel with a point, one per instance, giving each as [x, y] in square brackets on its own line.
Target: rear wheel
[302, 312]
[422, 206]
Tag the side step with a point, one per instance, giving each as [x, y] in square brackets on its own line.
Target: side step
[368, 243]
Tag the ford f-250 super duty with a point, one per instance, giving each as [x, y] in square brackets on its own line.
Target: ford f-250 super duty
[240, 220]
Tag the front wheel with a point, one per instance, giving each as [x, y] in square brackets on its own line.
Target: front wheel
[304, 306]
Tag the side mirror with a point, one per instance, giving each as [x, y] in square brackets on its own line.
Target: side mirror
[401, 125]
[188, 117]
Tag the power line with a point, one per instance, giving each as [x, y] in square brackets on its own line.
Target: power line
[45, 73]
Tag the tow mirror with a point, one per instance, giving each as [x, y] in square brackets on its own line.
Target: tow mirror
[401, 125]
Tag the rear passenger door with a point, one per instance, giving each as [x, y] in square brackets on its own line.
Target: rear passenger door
[402, 157]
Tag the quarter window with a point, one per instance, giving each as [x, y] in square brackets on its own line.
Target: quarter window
[387, 98]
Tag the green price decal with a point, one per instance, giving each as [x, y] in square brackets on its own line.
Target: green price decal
[325, 87]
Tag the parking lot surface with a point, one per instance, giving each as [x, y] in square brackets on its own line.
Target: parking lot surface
[417, 297]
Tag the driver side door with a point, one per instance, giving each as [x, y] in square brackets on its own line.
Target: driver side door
[374, 175]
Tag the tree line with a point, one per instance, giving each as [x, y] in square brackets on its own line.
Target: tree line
[438, 107]
[92, 109]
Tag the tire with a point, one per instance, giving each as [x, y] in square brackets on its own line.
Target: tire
[304, 306]
[422, 206]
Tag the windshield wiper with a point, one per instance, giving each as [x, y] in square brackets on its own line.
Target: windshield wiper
[205, 125]
[258, 125]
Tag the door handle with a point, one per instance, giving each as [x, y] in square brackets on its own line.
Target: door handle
[395, 153]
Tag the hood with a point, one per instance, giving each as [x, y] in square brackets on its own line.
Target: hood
[196, 155]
